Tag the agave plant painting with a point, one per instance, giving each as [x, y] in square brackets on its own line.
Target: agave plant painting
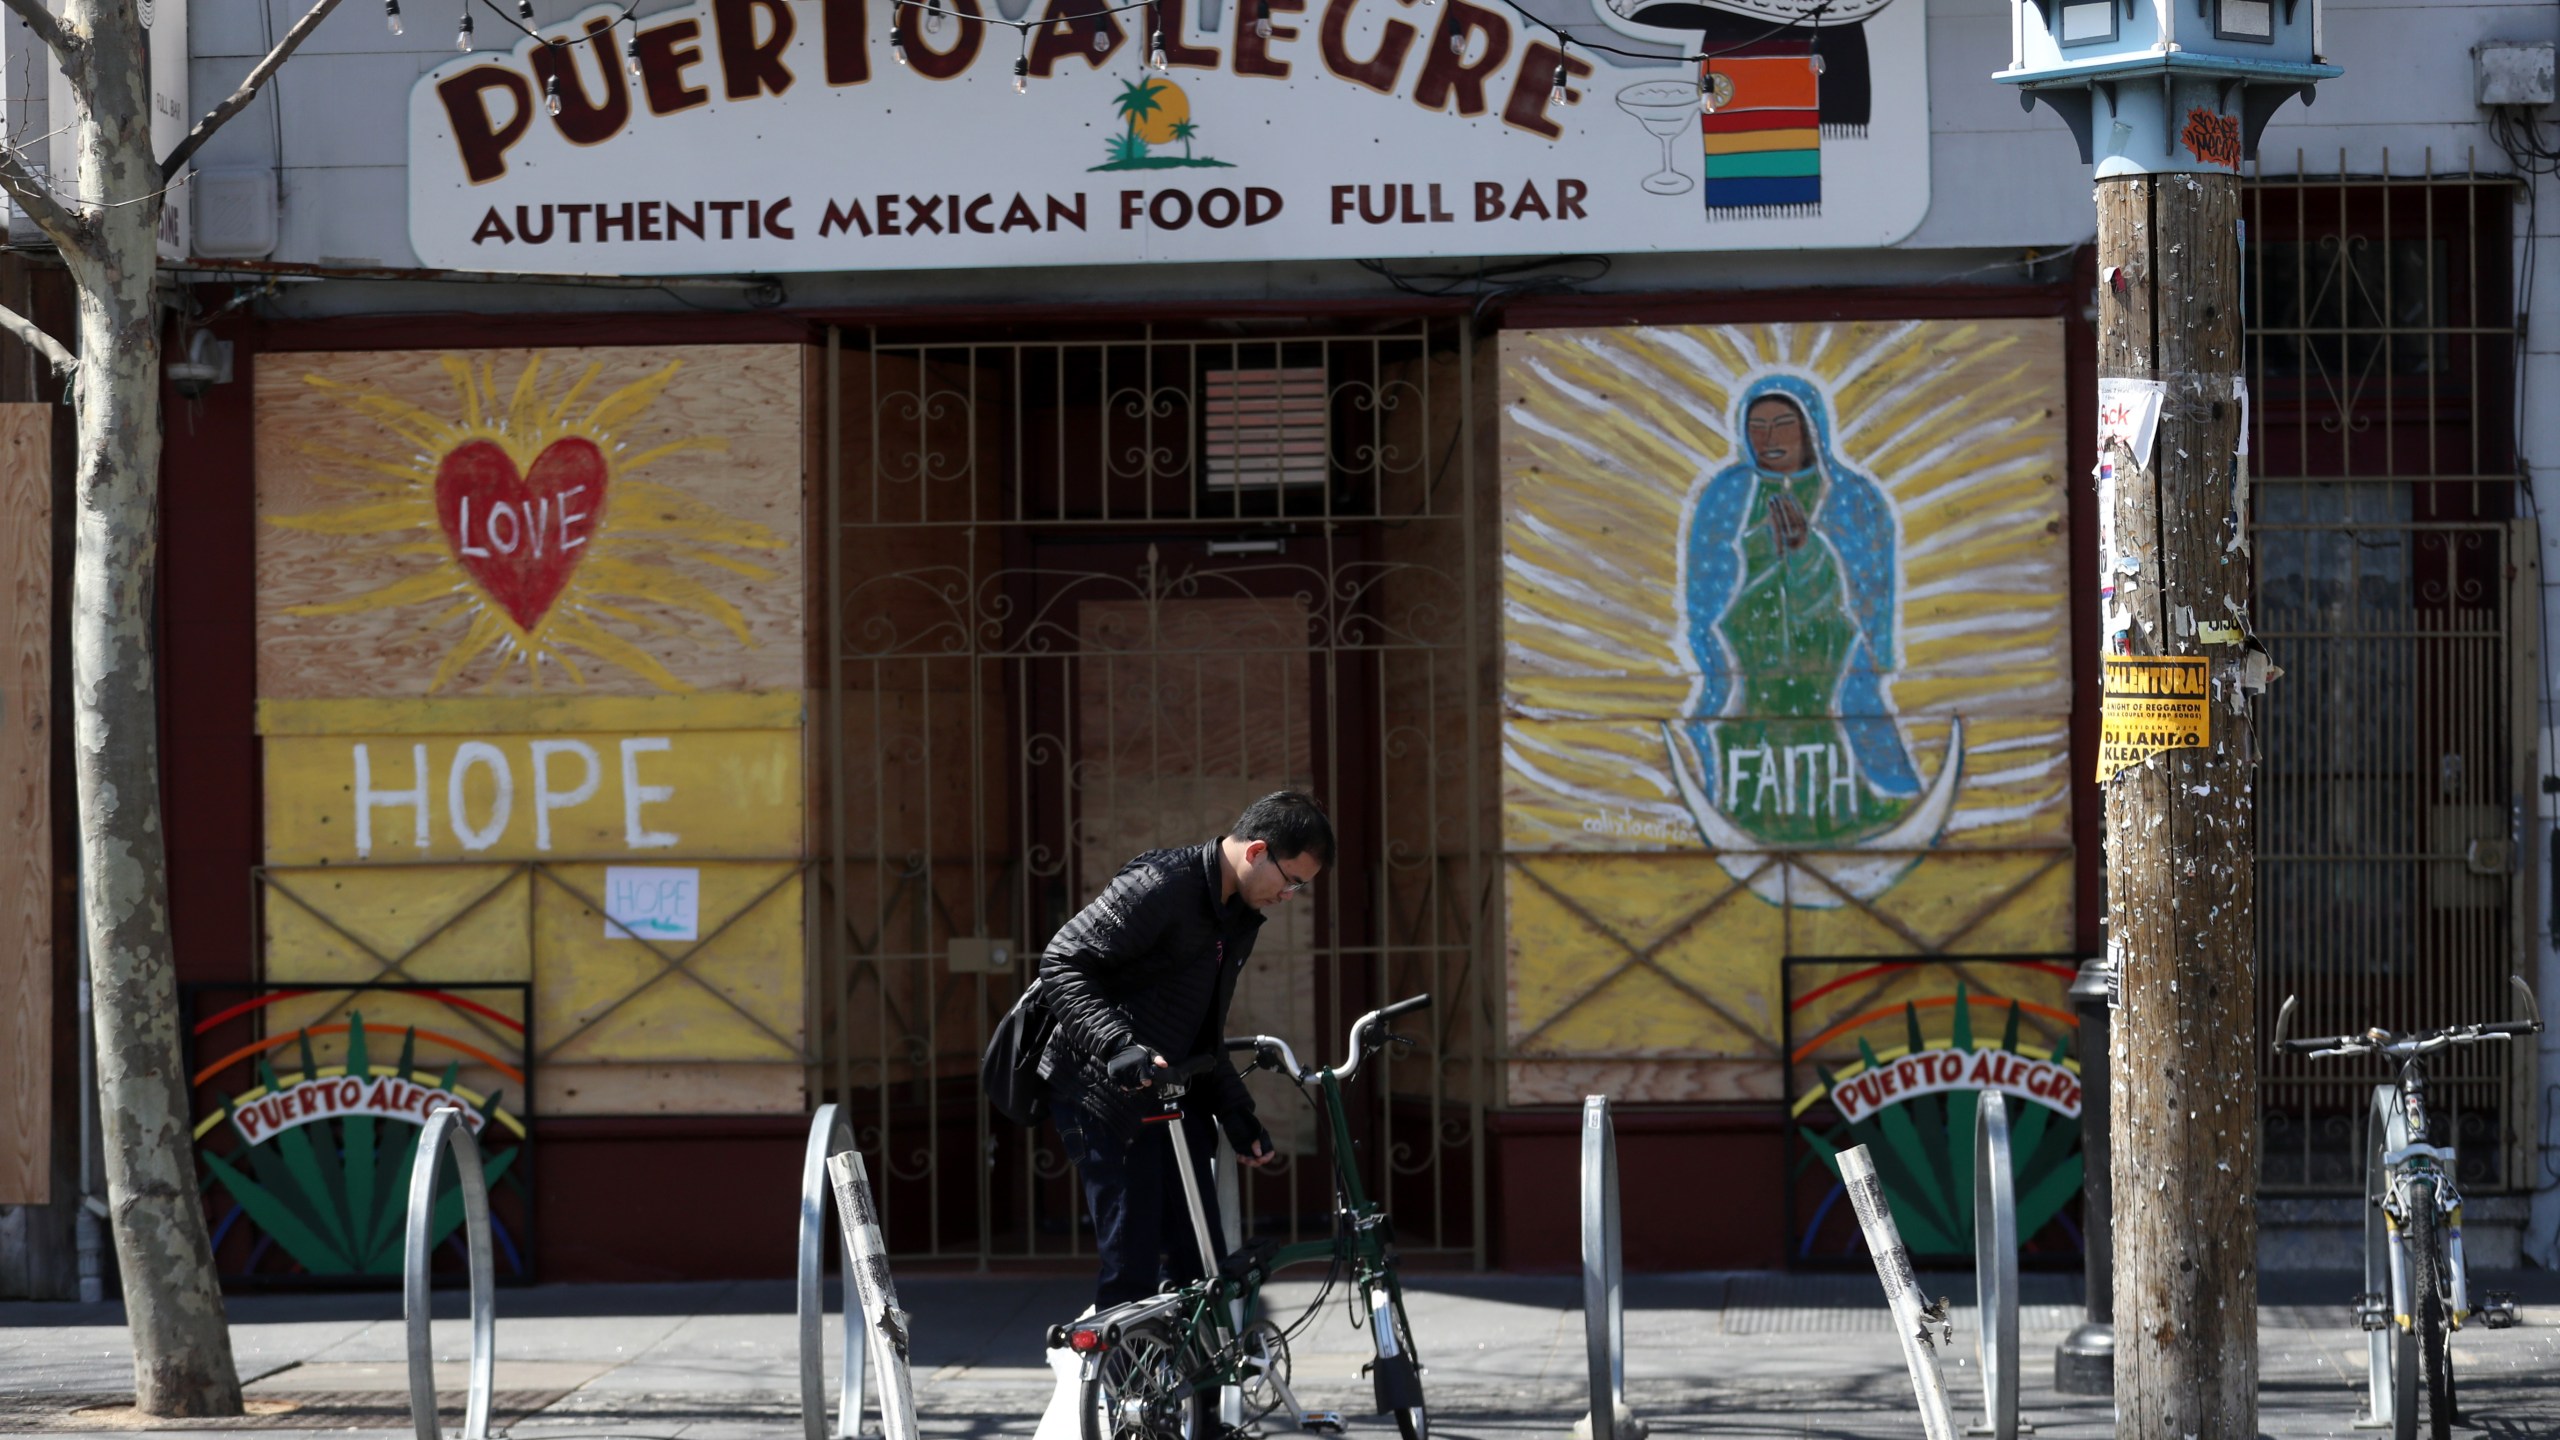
[314, 1160]
[1914, 1106]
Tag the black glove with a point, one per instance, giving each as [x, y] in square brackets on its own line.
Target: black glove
[1134, 1068]
[1245, 1132]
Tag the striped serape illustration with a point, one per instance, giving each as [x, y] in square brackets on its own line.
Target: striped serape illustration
[1764, 142]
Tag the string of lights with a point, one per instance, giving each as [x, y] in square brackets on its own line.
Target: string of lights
[937, 10]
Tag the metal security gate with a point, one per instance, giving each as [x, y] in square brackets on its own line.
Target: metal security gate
[2397, 591]
[1090, 596]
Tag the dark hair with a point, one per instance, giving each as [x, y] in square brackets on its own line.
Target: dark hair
[1290, 823]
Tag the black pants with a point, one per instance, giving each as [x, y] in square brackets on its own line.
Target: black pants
[1134, 1192]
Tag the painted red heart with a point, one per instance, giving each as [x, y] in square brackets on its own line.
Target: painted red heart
[521, 535]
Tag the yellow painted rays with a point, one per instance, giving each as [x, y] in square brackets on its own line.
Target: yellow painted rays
[520, 518]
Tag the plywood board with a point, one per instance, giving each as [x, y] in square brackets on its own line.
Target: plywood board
[607, 521]
[1785, 672]
[26, 804]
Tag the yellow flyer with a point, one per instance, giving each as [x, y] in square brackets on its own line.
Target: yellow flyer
[2150, 704]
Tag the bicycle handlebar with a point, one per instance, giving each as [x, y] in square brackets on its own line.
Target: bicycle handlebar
[1184, 1070]
[2378, 1041]
[1358, 1048]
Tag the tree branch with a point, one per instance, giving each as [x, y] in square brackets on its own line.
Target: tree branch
[221, 114]
[63, 362]
[35, 197]
[49, 29]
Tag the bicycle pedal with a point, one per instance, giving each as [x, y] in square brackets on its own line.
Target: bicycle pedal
[1322, 1422]
[2373, 1312]
[2498, 1310]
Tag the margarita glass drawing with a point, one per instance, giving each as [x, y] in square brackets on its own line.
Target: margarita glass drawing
[1668, 109]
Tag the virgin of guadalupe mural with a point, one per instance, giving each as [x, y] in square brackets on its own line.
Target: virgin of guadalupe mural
[1786, 648]
[1789, 603]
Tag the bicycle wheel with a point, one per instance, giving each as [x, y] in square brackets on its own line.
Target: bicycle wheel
[1142, 1390]
[1397, 1372]
[2427, 1286]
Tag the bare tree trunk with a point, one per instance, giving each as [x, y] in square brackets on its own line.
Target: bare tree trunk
[2181, 891]
[182, 1362]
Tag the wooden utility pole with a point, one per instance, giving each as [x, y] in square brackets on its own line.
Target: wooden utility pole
[2180, 847]
[2167, 103]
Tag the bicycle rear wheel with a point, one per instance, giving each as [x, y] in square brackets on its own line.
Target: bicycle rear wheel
[2427, 1289]
[1142, 1390]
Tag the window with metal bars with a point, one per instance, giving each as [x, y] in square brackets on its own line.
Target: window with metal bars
[2380, 351]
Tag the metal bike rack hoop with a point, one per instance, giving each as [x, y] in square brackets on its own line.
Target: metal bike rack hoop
[2386, 1129]
[1604, 1307]
[829, 1135]
[445, 1134]
[1995, 1267]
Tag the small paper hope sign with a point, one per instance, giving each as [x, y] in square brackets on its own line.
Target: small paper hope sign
[652, 902]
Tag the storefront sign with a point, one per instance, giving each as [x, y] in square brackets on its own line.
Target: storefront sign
[339, 1097]
[761, 135]
[2152, 703]
[1931, 1072]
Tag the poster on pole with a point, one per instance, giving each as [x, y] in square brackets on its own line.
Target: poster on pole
[2152, 703]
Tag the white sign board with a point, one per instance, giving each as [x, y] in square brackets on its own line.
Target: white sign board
[652, 902]
[170, 117]
[768, 136]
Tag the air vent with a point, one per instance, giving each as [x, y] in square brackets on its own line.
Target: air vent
[1265, 428]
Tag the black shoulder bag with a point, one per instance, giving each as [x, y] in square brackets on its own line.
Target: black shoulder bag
[1010, 1071]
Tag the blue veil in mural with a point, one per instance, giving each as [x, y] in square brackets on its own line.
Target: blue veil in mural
[1789, 598]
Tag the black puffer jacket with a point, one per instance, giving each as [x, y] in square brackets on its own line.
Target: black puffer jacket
[1152, 961]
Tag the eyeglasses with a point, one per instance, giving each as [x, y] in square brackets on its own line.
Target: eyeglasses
[1295, 885]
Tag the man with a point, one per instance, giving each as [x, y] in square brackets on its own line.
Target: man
[1140, 980]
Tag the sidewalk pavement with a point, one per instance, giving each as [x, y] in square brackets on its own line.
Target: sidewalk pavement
[1742, 1355]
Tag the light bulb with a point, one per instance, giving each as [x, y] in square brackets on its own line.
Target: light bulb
[462, 39]
[1458, 44]
[933, 19]
[631, 52]
[551, 95]
[1155, 53]
[898, 43]
[1556, 96]
[525, 9]
[1101, 40]
[1021, 76]
[391, 14]
[1262, 18]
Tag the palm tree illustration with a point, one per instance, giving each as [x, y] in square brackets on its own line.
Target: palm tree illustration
[1136, 102]
[1183, 130]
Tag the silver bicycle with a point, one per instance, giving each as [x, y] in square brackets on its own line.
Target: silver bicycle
[2417, 1288]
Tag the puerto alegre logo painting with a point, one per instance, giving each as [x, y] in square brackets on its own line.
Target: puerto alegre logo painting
[315, 1158]
[1913, 1106]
